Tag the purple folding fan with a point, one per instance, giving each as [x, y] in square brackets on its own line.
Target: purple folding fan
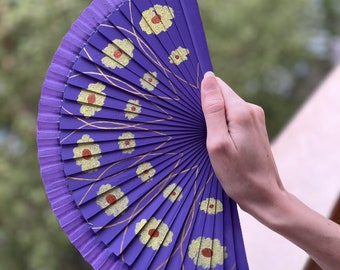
[121, 139]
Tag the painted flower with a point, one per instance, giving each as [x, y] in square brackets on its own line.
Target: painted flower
[127, 142]
[132, 109]
[207, 253]
[211, 206]
[87, 153]
[112, 199]
[156, 19]
[154, 233]
[93, 100]
[149, 81]
[118, 53]
[173, 193]
[145, 172]
[178, 56]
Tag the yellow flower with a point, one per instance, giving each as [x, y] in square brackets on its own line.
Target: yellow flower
[118, 53]
[112, 199]
[127, 142]
[207, 253]
[173, 193]
[154, 233]
[93, 100]
[87, 153]
[178, 56]
[211, 206]
[145, 171]
[133, 109]
[149, 81]
[156, 19]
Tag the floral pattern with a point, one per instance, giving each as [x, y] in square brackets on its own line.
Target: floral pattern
[146, 172]
[112, 199]
[207, 253]
[178, 56]
[127, 142]
[149, 81]
[118, 53]
[173, 192]
[154, 233]
[93, 100]
[156, 19]
[87, 153]
[132, 109]
[211, 206]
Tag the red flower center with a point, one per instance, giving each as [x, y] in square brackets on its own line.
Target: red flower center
[111, 199]
[177, 56]
[173, 193]
[87, 154]
[91, 99]
[211, 206]
[156, 19]
[117, 53]
[133, 108]
[127, 143]
[207, 252]
[150, 80]
[153, 233]
[146, 172]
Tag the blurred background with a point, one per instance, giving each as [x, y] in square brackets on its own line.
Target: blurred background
[272, 52]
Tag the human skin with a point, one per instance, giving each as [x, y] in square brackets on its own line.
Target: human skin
[240, 153]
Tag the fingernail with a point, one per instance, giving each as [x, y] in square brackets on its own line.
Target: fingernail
[208, 74]
[210, 82]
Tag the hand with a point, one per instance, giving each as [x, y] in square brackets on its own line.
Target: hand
[241, 156]
[238, 146]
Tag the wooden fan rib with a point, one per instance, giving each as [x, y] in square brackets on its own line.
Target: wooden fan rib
[132, 160]
[155, 107]
[182, 35]
[159, 143]
[126, 188]
[126, 86]
[122, 113]
[196, 30]
[128, 12]
[178, 255]
[174, 219]
[134, 237]
[134, 193]
[166, 41]
[146, 62]
[165, 38]
[127, 181]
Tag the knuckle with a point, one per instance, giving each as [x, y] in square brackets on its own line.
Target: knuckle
[250, 113]
[258, 111]
[213, 105]
[216, 146]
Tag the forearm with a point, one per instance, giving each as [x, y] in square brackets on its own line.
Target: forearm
[317, 235]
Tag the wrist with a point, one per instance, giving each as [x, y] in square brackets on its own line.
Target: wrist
[272, 209]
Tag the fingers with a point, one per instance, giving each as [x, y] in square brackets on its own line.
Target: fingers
[239, 113]
[213, 105]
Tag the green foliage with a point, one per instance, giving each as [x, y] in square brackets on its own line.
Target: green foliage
[262, 48]
[30, 236]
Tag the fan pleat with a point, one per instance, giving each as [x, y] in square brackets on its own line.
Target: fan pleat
[163, 53]
[134, 83]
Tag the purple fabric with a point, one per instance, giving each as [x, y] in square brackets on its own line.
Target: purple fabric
[121, 141]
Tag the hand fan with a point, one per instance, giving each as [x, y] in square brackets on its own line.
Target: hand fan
[121, 140]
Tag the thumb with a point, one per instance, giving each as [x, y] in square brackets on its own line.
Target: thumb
[213, 106]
